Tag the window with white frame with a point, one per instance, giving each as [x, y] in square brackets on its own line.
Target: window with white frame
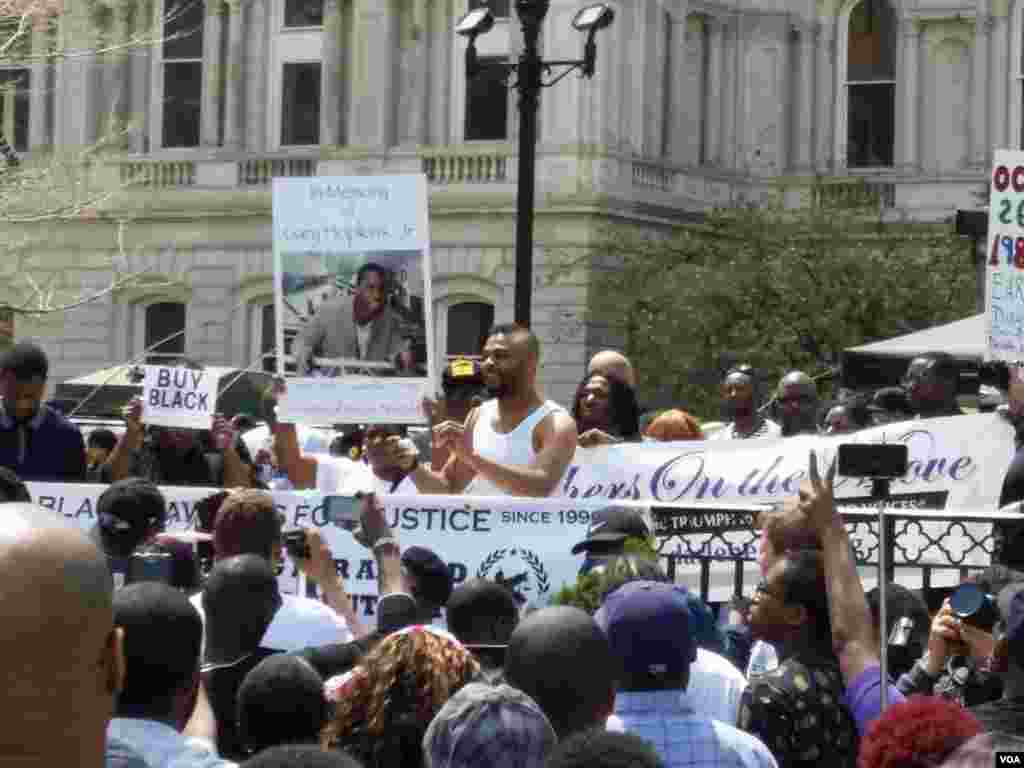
[297, 72]
[163, 335]
[468, 325]
[14, 105]
[871, 85]
[182, 72]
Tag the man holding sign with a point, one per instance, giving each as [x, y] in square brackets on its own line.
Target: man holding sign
[178, 403]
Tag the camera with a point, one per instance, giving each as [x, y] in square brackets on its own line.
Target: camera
[876, 462]
[974, 607]
[343, 511]
[296, 546]
[902, 648]
[150, 565]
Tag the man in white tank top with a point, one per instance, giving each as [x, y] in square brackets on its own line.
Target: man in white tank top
[516, 444]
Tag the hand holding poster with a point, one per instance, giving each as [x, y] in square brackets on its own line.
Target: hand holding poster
[352, 285]
[179, 397]
[1004, 284]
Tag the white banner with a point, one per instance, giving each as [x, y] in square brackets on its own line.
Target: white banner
[956, 463]
[959, 462]
[178, 397]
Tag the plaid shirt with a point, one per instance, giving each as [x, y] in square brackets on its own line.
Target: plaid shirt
[666, 720]
[486, 725]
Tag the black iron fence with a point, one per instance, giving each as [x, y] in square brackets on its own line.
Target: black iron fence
[952, 542]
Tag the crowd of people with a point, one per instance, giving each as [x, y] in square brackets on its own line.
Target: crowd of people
[148, 650]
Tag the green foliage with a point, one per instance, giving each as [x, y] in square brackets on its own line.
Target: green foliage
[779, 288]
[588, 592]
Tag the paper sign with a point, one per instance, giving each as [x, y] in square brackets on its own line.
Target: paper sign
[353, 297]
[1004, 279]
[179, 397]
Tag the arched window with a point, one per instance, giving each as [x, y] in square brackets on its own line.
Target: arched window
[468, 324]
[871, 85]
[164, 332]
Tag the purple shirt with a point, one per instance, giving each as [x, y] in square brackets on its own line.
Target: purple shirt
[863, 697]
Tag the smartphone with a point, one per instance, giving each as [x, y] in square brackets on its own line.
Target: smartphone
[296, 546]
[149, 566]
[343, 511]
[877, 462]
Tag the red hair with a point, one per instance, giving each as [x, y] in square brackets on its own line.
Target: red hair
[920, 732]
[674, 425]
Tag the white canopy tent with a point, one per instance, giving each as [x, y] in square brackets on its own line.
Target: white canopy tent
[883, 363]
[962, 338]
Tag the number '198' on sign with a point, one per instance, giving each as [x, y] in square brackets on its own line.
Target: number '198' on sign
[1007, 250]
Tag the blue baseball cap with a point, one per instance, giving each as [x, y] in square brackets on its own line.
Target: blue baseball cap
[647, 624]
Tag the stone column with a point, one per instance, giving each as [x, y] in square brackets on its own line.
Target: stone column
[440, 83]
[1000, 46]
[977, 116]
[332, 77]
[732, 39]
[715, 95]
[256, 101]
[141, 87]
[910, 39]
[372, 117]
[824, 133]
[234, 79]
[39, 95]
[117, 76]
[681, 95]
[803, 124]
[209, 115]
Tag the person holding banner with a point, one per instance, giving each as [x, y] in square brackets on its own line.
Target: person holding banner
[517, 444]
[169, 456]
[738, 395]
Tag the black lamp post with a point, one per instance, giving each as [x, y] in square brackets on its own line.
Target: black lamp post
[530, 71]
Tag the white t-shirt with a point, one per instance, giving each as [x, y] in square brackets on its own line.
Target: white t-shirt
[332, 472]
[334, 477]
[300, 622]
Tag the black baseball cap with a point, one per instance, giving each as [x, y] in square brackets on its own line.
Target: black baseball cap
[433, 579]
[132, 503]
[613, 525]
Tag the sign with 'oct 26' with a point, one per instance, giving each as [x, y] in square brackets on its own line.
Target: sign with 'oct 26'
[179, 397]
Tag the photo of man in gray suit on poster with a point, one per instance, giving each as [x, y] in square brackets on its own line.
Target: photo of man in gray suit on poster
[364, 326]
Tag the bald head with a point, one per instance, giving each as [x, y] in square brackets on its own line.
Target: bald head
[613, 364]
[798, 404]
[560, 657]
[56, 595]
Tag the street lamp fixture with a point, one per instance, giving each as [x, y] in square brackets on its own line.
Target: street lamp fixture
[530, 71]
[475, 23]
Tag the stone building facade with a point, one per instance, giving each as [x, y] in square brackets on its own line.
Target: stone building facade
[694, 104]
